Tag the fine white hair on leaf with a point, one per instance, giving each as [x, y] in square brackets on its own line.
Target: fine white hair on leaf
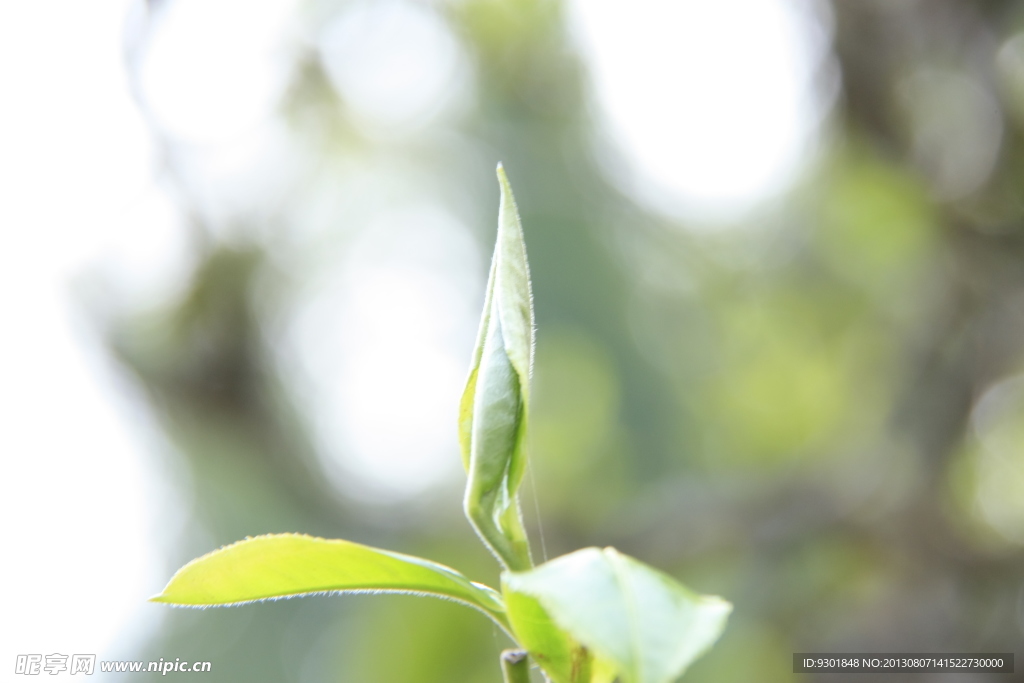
[345, 591]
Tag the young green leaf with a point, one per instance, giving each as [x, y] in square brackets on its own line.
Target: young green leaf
[492, 414]
[563, 659]
[288, 565]
[643, 622]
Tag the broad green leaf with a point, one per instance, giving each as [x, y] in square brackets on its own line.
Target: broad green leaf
[288, 565]
[563, 659]
[492, 413]
[643, 622]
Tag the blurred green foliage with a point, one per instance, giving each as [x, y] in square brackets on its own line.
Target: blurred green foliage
[796, 412]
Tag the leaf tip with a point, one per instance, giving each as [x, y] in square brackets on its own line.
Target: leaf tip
[164, 599]
[503, 178]
[721, 605]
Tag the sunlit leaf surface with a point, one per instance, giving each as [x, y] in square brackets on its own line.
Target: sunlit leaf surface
[640, 620]
[288, 565]
[550, 647]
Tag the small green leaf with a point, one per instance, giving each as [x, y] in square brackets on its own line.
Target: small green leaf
[563, 659]
[288, 565]
[493, 410]
[643, 622]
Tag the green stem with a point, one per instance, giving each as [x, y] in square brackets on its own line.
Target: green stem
[515, 665]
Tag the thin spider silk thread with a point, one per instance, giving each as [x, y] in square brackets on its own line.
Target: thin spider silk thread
[536, 509]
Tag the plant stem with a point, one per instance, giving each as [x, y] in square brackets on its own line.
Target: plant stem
[515, 665]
